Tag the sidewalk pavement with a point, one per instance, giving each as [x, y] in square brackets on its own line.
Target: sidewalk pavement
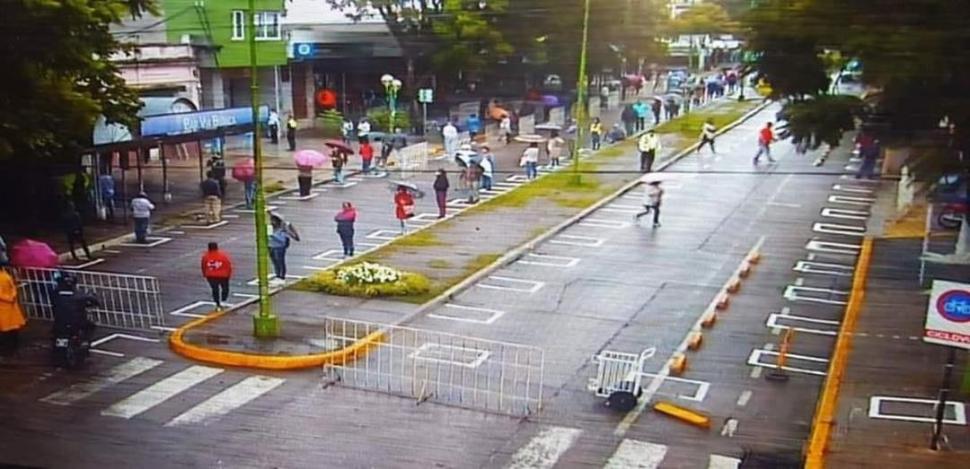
[460, 246]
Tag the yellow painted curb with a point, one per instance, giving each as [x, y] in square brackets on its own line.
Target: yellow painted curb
[678, 364]
[824, 418]
[734, 285]
[754, 258]
[709, 320]
[694, 418]
[745, 270]
[267, 362]
[695, 341]
[723, 302]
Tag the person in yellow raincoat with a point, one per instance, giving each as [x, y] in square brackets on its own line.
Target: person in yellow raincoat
[11, 316]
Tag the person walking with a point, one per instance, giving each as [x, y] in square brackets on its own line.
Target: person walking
[869, 151]
[474, 126]
[106, 188]
[403, 206]
[345, 227]
[279, 241]
[441, 186]
[73, 228]
[629, 118]
[648, 145]
[363, 129]
[304, 177]
[708, 133]
[652, 197]
[346, 130]
[766, 136]
[596, 133]
[530, 160]
[505, 129]
[450, 134]
[273, 122]
[141, 213]
[554, 147]
[473, 179]
[656, 107]
[366, 156]
[212, 196]
[487, 163]
[12, 318]
[640, 110]
[291, 132]
[217, 270]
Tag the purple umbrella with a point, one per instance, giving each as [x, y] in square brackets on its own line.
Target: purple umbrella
[550, 100]
[244, 170]
[310, 158]
[31, 253]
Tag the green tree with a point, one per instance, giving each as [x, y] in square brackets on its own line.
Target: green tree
[705, 18]
[57, 76]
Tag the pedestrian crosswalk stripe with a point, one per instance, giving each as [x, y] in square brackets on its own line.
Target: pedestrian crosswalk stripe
[115, 375]
[227, 400]
[633, 454]
[160, 392]
[723, 462]
[545, 449]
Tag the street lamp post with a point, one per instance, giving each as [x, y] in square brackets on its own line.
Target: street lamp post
[391, 87]
[581, 92]
[265, 323]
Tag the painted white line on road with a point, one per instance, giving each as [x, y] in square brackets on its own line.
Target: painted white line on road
[472, 314]
[221, 404]
[96, 383]
[229, 215]
[849, 200]
[184, 311]
[160, 392]
[386, 235]
[573, 240]
[152, 242]
[269, 208]
[111, 337]
[959, 410]
[702, 386]
[451, 354]
[860, 215]
[211, 226]
[601, 223]
[275, 281]
[533, 286]
[627, 211]
[782, 204]
[330, 255]
[794, 293]
[852, 189]
[84, 265]
[548, 260]
[545, 449]
[517, 178]
[317, 267]
[313, 195]
[824, 268]
[633, 454]
[845, 230]
[744, 398]
[755, 360]
[830, 331]
[833, 248]
[723, 462]
[425, 217]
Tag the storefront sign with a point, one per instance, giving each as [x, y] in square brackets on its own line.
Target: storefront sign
[190, 122]
[948, 315]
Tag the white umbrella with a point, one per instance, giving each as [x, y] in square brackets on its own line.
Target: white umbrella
[530, 138]
[549, 126]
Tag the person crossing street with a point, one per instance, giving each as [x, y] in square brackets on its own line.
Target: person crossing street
[766, 136]
[217, 270]
[652, 198]
[708, 132]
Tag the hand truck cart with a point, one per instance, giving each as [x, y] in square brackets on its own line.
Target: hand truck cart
[618, 377]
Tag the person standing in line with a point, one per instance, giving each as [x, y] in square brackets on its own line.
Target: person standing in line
[217, 270]
[273, 123]
[73, 228]
[652, 198]
[473, 177]
[530, 160]
[450, 134]
[12, 318]
[604, 97]
[106, 186]
[596, 133]
[403, 206]
[279, 241]
[441, 186]
[363, 129]
[656, 107]
[648, 145]
[345, 227]
[366, 156]
[304, 177]
[869, 151]
[640, 109]
[346, 130]
[708, 133]
[338, 159]
[629, 118]
[505, 129]
[291, 131]
[141, 213]
[398, 141]
[474, 125]
[217, 166]
[554, 148]
[212, 196]
[765, 138]
[488, 167]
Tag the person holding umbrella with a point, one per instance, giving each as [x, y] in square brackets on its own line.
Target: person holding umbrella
[305, 161]
[441, 186]
[345, 227]
[245, 173]
[404, 205]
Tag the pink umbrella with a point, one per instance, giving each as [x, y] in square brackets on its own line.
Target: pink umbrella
[311, 158]
[31, 253]
[244, 171]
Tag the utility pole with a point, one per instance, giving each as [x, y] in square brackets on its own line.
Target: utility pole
[265, 323]
[581, 92]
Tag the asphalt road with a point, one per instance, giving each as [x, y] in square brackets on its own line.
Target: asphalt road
[627, 287]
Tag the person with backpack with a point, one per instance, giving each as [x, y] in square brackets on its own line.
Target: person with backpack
[217, 270]
[345, 227]
[279, 241]
[217, 166]
[212, 195]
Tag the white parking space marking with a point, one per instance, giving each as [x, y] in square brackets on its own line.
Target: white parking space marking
[160, 392]
[814, 295]
[313, 195]
[852, 189]
[849, 200]
[548, 260]
[206, 227]
[824, 268]
[109, 338]
[517, 178]
[723, 462]
[269, 208]
[755, 360]
[545, 449]
[386, 235]
[845, 230]
[96, 383]
[184, 311]
[602, 223]
[803, 324]
[860, 215]
[958, 413]
[744, 398]
[633, 454]
[330, 255]
[425, 217]
[833, 248]
[231, 398]
[573, 240]
[472, 314]
[451, 354]
[628, 211]
[525, 286]
[153, 241]
[276, 282]
[702, 386]
[84, 265]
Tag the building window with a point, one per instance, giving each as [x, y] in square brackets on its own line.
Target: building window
[238, 25]
[268, 26]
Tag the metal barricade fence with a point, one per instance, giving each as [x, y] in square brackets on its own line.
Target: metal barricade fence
[428, 365]
[127, 301]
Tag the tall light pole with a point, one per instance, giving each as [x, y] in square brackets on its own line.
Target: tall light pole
[391, 87]
[581, 92]
[265, 323]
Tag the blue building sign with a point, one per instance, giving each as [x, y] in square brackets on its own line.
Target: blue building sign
[190, 122]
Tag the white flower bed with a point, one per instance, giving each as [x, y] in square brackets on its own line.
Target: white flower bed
[367, 273]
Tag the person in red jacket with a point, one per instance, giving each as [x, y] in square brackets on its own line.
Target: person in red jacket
[217, 270]
[765, 138]
[404, 206]
[366, 155]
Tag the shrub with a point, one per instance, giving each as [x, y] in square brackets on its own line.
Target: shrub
[330, 121]
[367, 280]
[380, 117]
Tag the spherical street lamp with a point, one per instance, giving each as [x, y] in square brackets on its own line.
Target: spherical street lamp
[391, 87]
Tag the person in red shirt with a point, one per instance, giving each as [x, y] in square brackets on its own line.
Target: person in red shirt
[765, 137]
[404, 205]
[217, 270]
[366, 156]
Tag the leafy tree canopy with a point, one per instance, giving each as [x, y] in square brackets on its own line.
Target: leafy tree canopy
[705, 18]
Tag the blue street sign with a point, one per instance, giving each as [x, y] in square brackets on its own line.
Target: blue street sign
[189, 122]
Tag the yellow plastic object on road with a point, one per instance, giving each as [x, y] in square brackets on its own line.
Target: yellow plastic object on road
[694, 418]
